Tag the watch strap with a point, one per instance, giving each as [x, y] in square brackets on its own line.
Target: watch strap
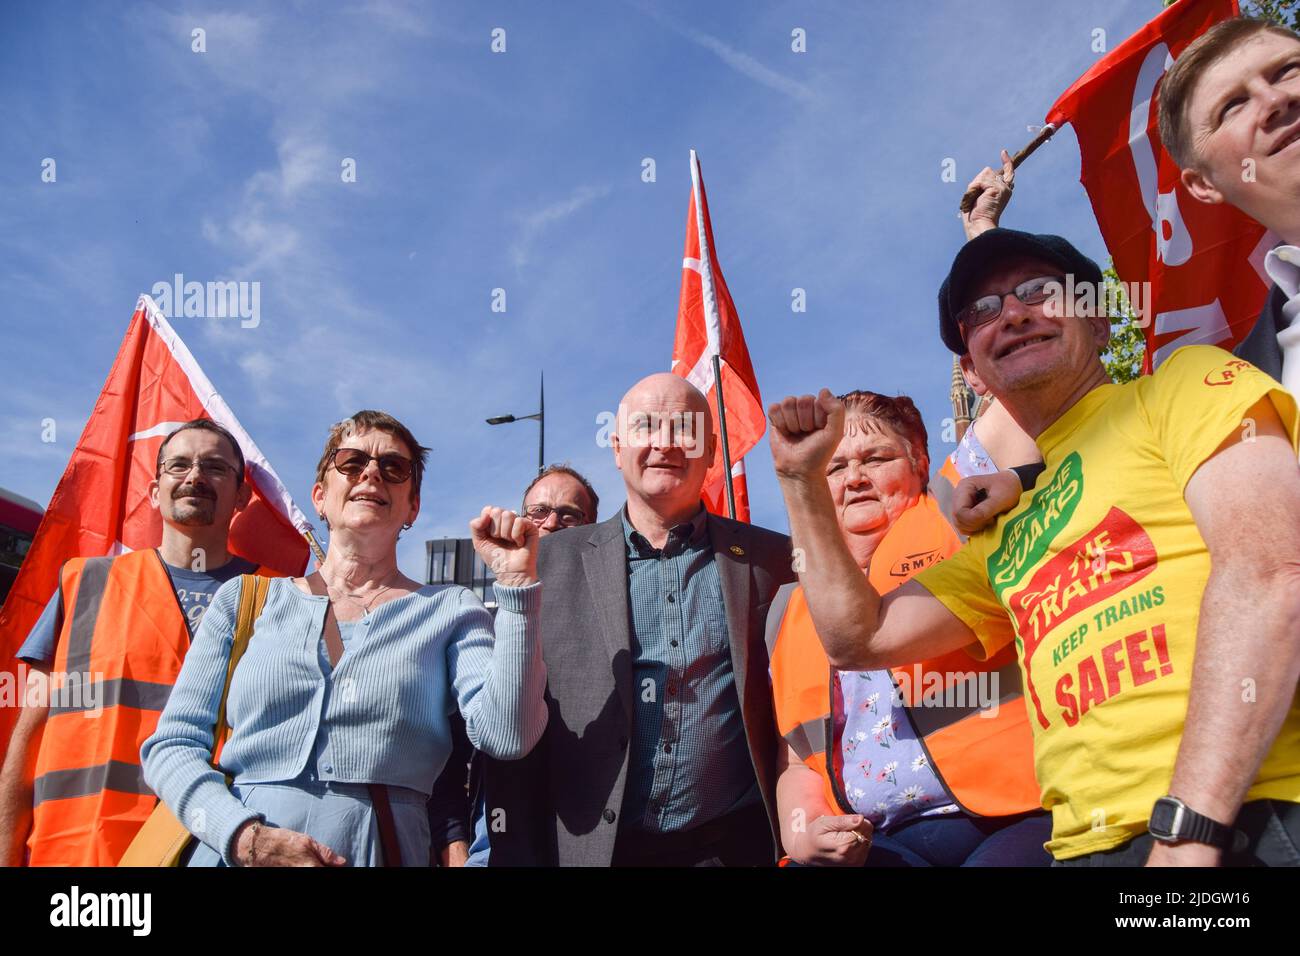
[1028, 474]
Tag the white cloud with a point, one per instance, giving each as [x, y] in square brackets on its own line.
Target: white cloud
[738, 60]
[535, 223]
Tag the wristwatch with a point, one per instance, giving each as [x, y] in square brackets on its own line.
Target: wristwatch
[1173, 821]
[1028, 474]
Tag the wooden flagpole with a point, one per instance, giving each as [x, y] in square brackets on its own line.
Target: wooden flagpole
[1044, 134]
[315, 547]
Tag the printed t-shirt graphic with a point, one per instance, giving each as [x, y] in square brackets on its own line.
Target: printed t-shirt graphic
[1097, 576]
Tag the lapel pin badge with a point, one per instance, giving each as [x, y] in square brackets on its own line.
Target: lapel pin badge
[738, 550]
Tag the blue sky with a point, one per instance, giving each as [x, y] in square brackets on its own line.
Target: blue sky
[518, 170]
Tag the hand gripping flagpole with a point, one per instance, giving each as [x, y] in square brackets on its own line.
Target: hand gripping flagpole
[315, 547]
[722, 432]
[1044, 134]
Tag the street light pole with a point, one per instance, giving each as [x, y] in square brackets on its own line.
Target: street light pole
[539, 416]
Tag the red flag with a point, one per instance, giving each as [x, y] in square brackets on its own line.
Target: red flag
[707, 325]
[1204, 263]
[101, 504]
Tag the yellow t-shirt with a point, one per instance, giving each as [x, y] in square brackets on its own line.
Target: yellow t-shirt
[1098, 576]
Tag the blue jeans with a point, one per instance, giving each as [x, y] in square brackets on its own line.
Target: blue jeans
[961, 840]
[478, 850]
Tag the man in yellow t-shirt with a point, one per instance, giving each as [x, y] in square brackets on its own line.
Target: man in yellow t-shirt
[1162, 694]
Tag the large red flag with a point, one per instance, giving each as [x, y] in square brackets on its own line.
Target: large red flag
[101, 504]
[1204, 263]
[707, 325]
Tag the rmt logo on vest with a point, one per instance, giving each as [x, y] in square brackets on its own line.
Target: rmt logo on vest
[210, 300]
[75, 908]
[60, 692]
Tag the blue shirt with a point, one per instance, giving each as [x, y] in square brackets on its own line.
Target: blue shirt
[379, 717]
[194, 591]
[689, 760]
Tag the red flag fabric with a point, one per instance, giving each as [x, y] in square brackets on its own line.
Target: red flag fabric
[708, 325]
[101, 504]
[1204, 263]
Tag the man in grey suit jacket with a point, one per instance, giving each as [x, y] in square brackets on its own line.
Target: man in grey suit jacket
[661, 744]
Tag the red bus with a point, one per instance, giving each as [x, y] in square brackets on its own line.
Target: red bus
[19, 519]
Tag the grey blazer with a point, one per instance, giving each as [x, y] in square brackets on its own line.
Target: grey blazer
[560, 805]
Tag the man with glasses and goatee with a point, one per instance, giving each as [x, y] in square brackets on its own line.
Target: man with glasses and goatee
[89, 797]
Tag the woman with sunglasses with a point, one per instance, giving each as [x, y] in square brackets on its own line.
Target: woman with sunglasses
[339, 707]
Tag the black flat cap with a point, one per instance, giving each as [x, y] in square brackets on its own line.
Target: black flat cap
[988, 248]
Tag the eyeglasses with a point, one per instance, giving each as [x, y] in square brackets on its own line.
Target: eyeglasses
[1031, 292]
[569, 517]
[208, 467]
[353, 462]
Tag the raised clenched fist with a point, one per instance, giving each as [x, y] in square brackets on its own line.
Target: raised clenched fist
[507, 543]
[805, 433]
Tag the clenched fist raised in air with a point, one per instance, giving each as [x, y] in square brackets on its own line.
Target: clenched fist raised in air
[507, 543]
[805, 433]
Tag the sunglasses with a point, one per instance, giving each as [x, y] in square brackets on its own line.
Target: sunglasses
[987, 308]
[352, 462]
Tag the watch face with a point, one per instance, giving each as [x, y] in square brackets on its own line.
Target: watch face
[1163, 815]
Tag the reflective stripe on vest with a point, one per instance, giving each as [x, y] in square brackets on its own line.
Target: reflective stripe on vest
[943, 485]
[120, 691]
[807, 739]
[65, 784]
[986, 762]
[80, 628]
[123, 640]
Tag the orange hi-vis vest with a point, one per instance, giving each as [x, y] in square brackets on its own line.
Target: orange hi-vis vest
[984, 762]
[123, 640]
[943, 485]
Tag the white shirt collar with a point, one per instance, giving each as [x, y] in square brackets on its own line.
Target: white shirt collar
[1282, 263]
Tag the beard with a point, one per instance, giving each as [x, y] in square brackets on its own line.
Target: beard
[197, 511]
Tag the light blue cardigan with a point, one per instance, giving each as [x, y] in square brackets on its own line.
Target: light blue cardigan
[384, 708]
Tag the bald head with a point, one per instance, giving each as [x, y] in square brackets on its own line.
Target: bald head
[663, 442]
[663, 390]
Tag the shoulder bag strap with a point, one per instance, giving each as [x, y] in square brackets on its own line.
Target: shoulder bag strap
[252, 596]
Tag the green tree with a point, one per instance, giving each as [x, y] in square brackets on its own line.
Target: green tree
[1285, 12]
[1123, 359]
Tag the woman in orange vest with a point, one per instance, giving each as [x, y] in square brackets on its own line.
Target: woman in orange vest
[927, 765]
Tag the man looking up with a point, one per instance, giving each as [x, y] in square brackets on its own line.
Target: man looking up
[1230, 117]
